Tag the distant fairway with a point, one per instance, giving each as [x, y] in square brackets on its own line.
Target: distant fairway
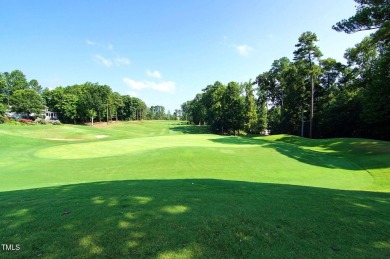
[141, 183]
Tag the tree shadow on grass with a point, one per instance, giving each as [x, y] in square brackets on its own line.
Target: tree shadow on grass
[193, 219]
[303, 155]
[343, 153]
[345, 145]
[191, 129]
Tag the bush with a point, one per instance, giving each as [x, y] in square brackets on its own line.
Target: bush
[26, 121]
[40, 121]
[3, 119]
[55, 122]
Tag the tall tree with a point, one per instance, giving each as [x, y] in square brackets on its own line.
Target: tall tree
[306, 54]
[33, 84]
[3, 89]
[266, 84]
[370, 60]
[27, 101]
[233, 105]
[2, 110]
[14, 81]
[198, 110]
[116, 103]
[186, 111]
[370, 14]
[250, 112]
[213, 104]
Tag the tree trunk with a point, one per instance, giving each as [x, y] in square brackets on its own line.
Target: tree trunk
[302, 124]
[311, 108]
[91, 120]
[312, 100]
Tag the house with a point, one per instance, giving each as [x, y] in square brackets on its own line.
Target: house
[48, 115]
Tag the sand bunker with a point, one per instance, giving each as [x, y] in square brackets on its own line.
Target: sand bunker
[101, 136]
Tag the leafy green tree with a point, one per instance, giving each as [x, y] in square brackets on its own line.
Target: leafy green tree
[332, 79]
[67, 107]
[342, 116]
[14, 81]
[3, 110]
[133, 108]
[63, 101]
[278, 74]
[295, 102]
[125, 111]
[369, 61]
[3, 89]
[370, 14]
[233, 107]
[140, 108]
[186, 111]
[27, 101]
[250, 112]
[305, 55]
[265, 83]
[116, 103]
[92, 114]
[198, 110]
[274, 119]
[212, 101]
[33, 84]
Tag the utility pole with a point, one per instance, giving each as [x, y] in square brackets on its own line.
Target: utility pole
[107, 112]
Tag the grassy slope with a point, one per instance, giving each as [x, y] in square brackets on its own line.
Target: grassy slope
[194, 217]
[370, 155]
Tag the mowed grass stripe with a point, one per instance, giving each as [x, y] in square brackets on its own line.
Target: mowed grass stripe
[189, 156]
[125, 146]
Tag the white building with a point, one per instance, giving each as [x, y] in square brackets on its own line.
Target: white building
[48, 115]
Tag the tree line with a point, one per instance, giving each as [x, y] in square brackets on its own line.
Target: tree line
[78, 103]
[311, 96]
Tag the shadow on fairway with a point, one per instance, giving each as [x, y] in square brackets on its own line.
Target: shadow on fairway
[345, 145]
[346, 154]
[192, 129]
[194, 218]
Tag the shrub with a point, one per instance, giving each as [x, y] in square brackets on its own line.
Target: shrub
[55, 122]
[13, 121]
[40, 121]
[26, 121]
[3, 119]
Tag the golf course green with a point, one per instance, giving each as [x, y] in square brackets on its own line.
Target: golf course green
[164, 189]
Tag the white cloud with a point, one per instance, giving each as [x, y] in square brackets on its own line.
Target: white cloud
[122, 61]
[154, 74]
[243, 49]
[164, 86]
[90, 42]
[103, 61]
[110, 47]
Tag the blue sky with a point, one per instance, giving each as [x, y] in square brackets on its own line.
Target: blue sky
[163, 52]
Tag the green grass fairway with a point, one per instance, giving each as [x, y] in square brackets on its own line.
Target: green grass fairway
[165, 190]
